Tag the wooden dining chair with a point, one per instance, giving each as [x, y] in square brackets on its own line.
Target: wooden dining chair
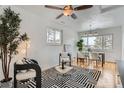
[81, 58]
[94, 57]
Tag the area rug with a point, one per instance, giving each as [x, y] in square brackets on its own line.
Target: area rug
[76, 78]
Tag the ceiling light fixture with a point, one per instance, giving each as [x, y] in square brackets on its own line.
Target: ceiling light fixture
[91, 32]
[68, 10]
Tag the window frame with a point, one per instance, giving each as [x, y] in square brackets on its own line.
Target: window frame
[56, 30]
[103, 47]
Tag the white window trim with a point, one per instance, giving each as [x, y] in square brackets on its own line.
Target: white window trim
[80, 36]
[61, 37]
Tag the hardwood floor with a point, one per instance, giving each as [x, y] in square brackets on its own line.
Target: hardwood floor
[107, 78]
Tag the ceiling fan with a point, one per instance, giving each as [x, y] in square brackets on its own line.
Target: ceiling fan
[68, 10]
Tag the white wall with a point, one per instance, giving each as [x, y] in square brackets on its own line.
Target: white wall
[35, 26]
[122, 57]
[116, 52]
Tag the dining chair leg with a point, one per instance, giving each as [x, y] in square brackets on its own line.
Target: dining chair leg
[77, 61]
[83, 61]
[88, 62]
[96, 63]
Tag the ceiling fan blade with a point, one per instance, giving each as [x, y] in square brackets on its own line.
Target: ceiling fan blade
[74, 16]
[82, 7]
[59, 16]
[53, 7]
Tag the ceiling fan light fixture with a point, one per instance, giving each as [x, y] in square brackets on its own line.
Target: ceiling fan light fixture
[68, 11]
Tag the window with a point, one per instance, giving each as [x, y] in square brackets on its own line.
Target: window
[54, 36]
[107, 41]
[85, 39]
[98, 42]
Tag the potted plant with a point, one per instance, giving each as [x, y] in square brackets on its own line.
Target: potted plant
[10, 39]
[80, 45]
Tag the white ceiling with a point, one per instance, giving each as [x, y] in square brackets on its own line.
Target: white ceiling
[98, 16]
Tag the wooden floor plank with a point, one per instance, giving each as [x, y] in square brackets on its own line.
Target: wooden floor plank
[107, 78]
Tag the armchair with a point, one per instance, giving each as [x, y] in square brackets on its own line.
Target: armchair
[27, 71]
[65, 57]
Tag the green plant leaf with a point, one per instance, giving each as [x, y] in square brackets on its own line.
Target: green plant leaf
[10, 37]
[80, 45]
[24, 37]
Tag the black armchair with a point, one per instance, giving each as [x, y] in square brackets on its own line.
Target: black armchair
[34, 66]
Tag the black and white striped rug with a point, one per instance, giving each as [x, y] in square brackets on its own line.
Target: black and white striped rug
[76, 78]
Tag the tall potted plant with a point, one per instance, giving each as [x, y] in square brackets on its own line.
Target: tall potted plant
[10, 39]
[80, 45]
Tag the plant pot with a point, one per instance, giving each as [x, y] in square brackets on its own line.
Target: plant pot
[6, 84]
